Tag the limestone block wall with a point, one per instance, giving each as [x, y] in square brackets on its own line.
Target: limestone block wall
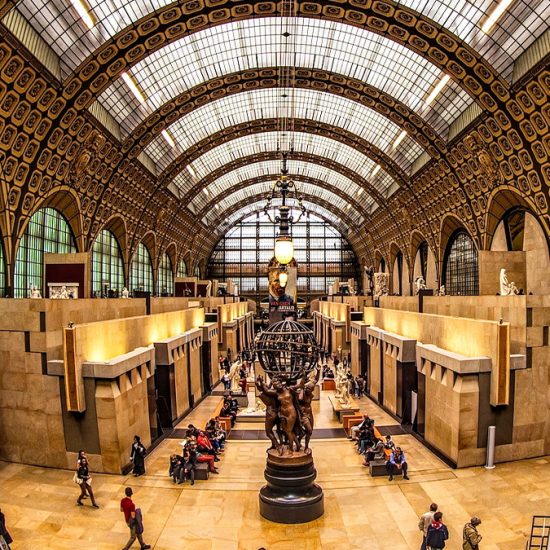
[402, 303]
[181, 381]
[195, 363]
[121, 407]
[390, 378]
[374, 381]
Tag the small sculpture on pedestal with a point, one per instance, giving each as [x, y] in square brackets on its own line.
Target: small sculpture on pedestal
[419, 284]
[234, 377]
[125, 293]
[506, 288]
[35, 293]
[381, 285]
[441, 291]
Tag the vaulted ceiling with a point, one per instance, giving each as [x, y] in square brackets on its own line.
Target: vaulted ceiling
[370, 91]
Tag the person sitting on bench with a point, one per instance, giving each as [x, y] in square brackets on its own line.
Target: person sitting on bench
[175, 464]
[216, 433]
[397, 461]
[375, 452]
[365, 439]
[365, 423]
[389, 445]
[227, 411]
[200, 458]
[327, 372]
[204, 445]
[186, 468]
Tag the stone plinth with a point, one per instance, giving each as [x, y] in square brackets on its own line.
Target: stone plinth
[291, 496]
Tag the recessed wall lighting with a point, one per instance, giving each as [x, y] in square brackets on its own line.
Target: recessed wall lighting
[84, 13]
[133, 88]
[399, 139]
[494, 17]
[440, 85]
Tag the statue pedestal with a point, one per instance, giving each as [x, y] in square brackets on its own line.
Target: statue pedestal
[291, 496]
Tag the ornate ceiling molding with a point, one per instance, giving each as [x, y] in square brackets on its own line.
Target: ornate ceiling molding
[384, 17]
[357, 206]
[266, 78]
[271, 125]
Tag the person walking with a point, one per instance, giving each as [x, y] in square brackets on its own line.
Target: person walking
[5, 538]
[471, 538]
[425, 521]
[84, 479]
[132, 518]
[138, 456]
[437, 533]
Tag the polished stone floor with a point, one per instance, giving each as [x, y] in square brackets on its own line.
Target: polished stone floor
[222, 513]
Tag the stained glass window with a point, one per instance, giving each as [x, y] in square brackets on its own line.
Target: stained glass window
[107, 264]
[461, 272]
[165, 281]
[141, 271]
[46, 232]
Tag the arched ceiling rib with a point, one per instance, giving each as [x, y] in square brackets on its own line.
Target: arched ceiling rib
[295, 160]
[271, 125]
[330, 82]
[59, 24]
[319, 45]
[309, 104]
[251, 204]
[205, 203]
[302, 143]
[325, 194]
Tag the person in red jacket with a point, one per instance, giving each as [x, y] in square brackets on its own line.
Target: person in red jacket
[200, 457]
[128, 507]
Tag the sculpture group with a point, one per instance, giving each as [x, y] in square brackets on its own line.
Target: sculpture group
[288, 415]
[342, 381]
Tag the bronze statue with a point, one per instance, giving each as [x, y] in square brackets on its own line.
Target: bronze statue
[306, 414]
[271, 413]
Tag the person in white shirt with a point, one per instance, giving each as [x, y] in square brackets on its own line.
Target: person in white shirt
[425, 520]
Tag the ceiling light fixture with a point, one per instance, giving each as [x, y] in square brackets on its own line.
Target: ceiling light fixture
[399, 139]
[495, 16]
[84, 13]
[133, 88]
[435, 92]
[168, 138]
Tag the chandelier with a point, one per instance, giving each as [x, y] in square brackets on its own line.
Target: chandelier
[285, 186]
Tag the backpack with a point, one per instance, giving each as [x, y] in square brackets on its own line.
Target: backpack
[435, 538]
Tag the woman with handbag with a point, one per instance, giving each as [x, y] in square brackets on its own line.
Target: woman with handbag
[84, 479]
[5, 538]
[138, 456]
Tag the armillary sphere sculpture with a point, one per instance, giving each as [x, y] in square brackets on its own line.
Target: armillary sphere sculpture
[288, 354]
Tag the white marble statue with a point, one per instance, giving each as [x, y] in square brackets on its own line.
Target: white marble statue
[63, 294]
[381, 284]
[125, 293]
[344, 397]
[441, 291]
[506, 288]
[234, 377]
[419, 284]
[35, 293]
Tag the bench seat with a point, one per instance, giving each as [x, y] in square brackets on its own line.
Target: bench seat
[202, 471]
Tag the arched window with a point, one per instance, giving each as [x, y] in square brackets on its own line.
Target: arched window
[197, 271]
[166, 276]
[398, 274]
[461, 273]
[141, 272]
[423, 252]
[382, 268]
[46, 232]
[107, 264]
[182, 269]
[2, 271]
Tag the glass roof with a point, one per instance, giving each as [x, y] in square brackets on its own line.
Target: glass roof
[60, 26]
[273, 168]
[324, 45]
[261, 104]
[302, 143]
[264, 189]
[258, 206]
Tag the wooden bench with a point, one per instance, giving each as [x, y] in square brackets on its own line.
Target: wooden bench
[329, 384]
[202, 471]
